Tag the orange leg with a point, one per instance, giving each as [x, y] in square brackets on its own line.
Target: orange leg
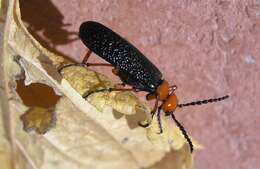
[85, 61]
[98, 64]
[151, 96]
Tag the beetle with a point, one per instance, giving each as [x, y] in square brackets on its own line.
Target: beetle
[135, 70]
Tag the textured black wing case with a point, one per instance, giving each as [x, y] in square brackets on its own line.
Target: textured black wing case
[134, 68]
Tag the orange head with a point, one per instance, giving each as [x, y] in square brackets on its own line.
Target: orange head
[170, 104]
[169, 99]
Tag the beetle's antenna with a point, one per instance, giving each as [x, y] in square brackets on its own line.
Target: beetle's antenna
[172, 89]
[203, 101]
[183, 132]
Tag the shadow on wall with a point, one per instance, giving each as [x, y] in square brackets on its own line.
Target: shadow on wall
[45, 22]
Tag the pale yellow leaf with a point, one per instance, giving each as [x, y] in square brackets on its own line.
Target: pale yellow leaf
[84, 136]
[85, 81]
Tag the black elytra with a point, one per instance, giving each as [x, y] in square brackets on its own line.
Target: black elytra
[133, 67]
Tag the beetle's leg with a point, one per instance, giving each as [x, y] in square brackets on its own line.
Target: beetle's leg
[143, 125]
[98, 64]
[152, 114]
[69, 65]
[108, 90]
[82, 64]
[151, 96]
[159, 120]
[115, 71]
[85, 59]
[155, 107]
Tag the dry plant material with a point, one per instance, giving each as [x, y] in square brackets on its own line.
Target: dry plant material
[41, 99]
[85, 81]
[100, 132]
[38, 119]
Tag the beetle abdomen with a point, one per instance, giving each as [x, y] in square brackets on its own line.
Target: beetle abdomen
[134, 68]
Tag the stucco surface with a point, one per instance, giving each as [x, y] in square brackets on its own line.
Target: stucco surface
[207, 48]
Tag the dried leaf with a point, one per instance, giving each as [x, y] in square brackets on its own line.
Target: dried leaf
[83, 136]
[85, 81]
[38, 119]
